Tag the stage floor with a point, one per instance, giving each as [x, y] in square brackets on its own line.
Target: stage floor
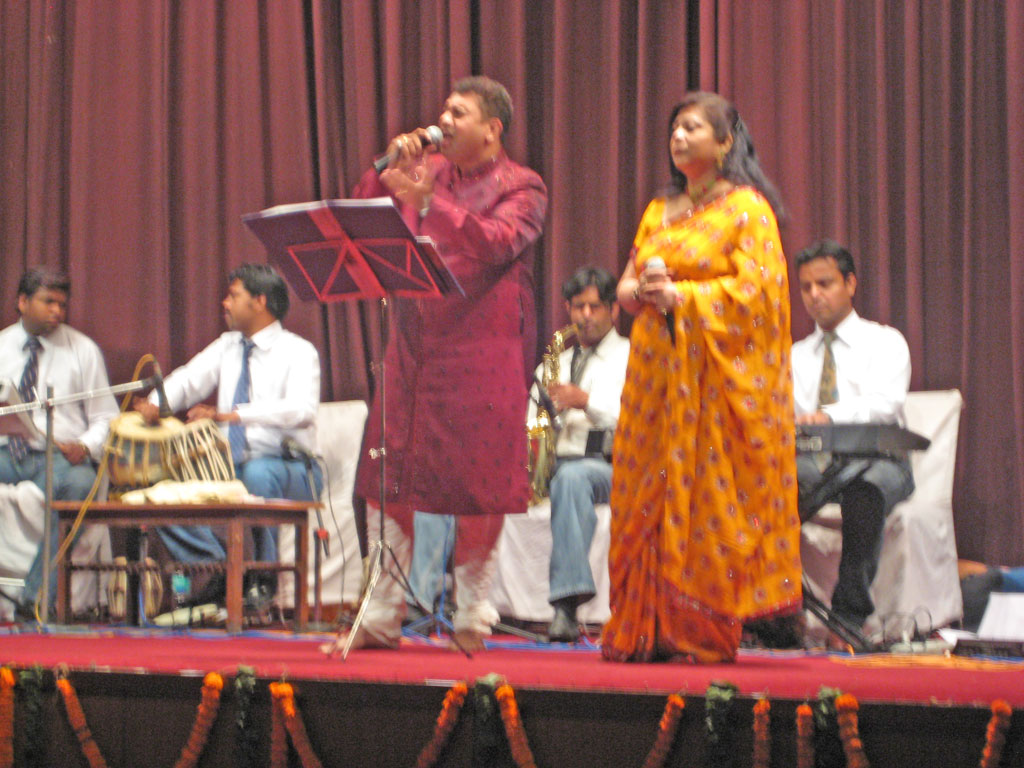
[793, 675]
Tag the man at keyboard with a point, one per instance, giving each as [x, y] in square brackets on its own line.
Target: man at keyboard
[850, 370]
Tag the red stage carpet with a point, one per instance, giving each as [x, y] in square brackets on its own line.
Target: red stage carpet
[780, 675]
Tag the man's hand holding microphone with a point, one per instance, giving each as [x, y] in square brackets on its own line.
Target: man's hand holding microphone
[404, 169]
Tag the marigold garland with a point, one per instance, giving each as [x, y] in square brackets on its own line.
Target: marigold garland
[762, 734]
[995, 734]
[846, 714]
[206, 713]
[667, 729]
[804, 736]
[283, 696]
[278, 734]
[76, 717]
[6, 718]
[514, 726]
[446, 720]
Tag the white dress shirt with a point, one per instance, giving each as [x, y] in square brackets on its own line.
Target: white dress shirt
[603, 377]
[872, 372]
[284, 371]
[72, 363]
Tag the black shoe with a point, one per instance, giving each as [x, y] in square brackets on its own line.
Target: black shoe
[258, 597]
[212, 592]
[564, 628]
[24, 612]
[413, 613]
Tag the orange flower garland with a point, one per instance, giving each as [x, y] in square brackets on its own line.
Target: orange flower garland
[446, 720]
[846, 714]
[995, 734]
[762, 736]
[206, 713]
[278, 734]
[667, 729]
[804, 736]
[77, 719]
[514, 726]
[6, 718]
[284, 707]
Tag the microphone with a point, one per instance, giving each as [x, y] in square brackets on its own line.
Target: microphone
[657, 264]
[545, 399]
[433, 138]
[292, 449]
[158, 382]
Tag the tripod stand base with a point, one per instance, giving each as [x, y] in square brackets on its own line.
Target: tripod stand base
[837, 625]
[376, 568]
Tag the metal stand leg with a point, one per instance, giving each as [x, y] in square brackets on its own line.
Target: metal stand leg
[44, 598]
[321, 543]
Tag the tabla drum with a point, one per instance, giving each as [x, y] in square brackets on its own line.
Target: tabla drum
[201, 452]
[142, 455]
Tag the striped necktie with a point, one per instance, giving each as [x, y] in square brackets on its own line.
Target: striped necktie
[828, 387]
[236, 432]
[27, 391]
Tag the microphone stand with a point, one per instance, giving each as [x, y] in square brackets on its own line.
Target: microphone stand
[380, 548]
[44, 606]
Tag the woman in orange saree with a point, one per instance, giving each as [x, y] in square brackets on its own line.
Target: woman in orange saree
[705, 530]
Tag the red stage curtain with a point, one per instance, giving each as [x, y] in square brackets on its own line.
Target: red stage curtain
[896, 128]
[133, 136]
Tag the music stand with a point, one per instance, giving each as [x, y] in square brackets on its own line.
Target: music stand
[344, 250]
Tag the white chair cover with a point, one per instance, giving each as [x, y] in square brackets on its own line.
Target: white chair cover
[21, 531]
[520, 587]
[339, 430]
[917, 573]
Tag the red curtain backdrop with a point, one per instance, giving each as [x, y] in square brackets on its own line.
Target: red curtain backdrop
[134, 134]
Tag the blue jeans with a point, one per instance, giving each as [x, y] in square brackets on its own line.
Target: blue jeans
[269, 476]
[865, 502]
[71, 482]
[433, 539]
[578, 484]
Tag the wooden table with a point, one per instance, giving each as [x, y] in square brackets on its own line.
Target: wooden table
[235, 517]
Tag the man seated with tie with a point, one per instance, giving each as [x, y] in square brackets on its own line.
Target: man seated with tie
[850, 370]
[268, 389]
[586, 399]
[39, 351]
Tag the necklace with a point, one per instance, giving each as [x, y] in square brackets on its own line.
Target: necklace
[698, 189]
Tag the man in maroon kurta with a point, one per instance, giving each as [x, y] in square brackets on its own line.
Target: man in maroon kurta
[457, 367]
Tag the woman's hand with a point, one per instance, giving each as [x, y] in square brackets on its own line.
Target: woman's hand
[656, 287]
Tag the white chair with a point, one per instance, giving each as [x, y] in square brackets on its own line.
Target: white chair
[21, 531]
[917, 573]
[520, 588]
[339, 431]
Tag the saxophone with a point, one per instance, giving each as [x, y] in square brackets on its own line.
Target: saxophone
[542, 430]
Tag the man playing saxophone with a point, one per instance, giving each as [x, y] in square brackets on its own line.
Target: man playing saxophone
[585, 397]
